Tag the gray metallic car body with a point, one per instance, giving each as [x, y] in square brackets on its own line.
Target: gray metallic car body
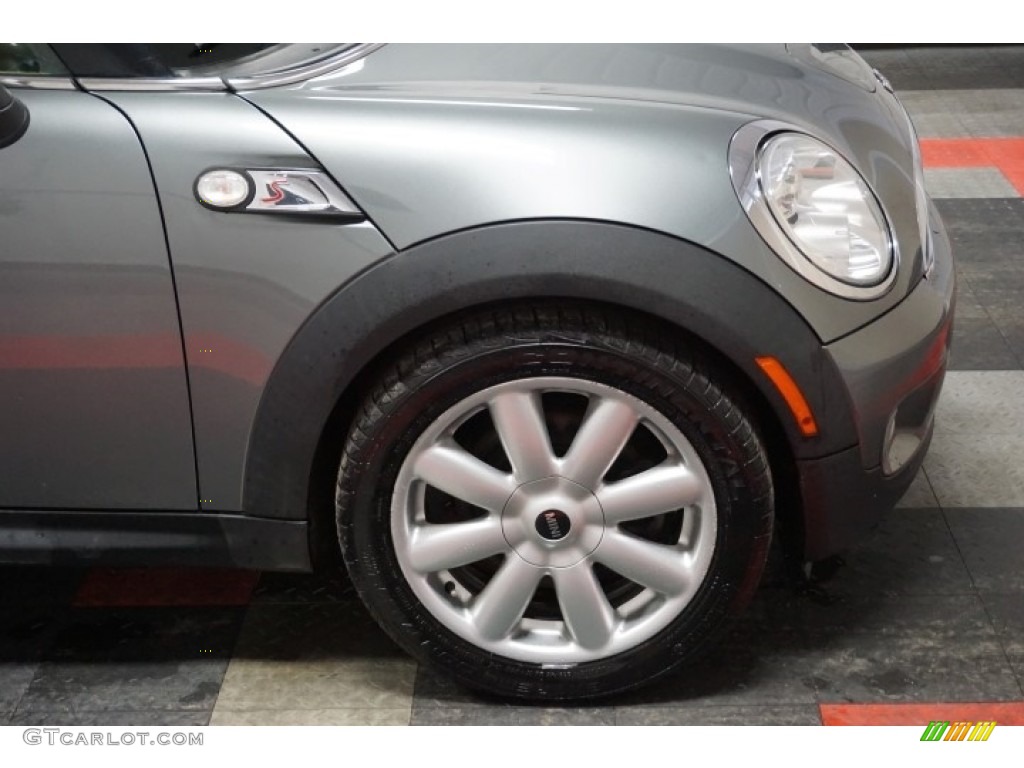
[487, 174]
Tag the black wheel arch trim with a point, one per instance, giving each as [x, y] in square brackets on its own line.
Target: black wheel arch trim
[682, 284]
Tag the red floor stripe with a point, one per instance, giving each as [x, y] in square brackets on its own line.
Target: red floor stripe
[1006, 154]
[140, 587]
[1004, 713]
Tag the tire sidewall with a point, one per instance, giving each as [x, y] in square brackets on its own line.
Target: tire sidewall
[682, 392]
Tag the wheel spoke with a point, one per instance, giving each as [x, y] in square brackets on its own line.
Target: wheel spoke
[485, 578]
[438, 547]
[498, 608]
[519, 419]
[597, 444]
[458, 473]
[587, 612]
[654, 492]
[658, 566]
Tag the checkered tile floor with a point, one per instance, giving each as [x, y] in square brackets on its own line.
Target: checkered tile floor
[928, 611]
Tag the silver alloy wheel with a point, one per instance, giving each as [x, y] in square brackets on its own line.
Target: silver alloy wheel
[554, 517]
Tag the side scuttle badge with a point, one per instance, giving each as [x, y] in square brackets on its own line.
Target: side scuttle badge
[295, 191]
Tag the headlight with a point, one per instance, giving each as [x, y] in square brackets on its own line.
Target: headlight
[814, 210]
[825, 207]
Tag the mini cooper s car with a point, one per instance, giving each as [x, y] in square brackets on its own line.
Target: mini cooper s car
[546, 341]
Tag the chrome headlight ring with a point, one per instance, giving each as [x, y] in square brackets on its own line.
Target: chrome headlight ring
[745, 161]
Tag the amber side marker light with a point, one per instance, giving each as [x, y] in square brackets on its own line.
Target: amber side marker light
[791, 393]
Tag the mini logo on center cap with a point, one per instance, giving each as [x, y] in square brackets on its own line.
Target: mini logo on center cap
[552, 524]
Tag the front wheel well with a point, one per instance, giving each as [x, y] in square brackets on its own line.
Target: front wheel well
[324, 548]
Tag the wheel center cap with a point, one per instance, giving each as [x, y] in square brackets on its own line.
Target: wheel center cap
[553, 522]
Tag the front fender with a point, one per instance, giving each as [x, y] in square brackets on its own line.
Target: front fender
[682, 284]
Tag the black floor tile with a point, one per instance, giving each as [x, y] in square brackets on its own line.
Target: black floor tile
[979, 345]
[718, 714]
[956, 68]
[733, 674]
[1007, 613]
[134, 660]
[911, 552]
[784, 675]
[38, 585]
[1017, 663]
[974, 263]
[898, 66]
[983, 228]
[302, 588]
[990, 540]
[26, 633]
[905, 648]
[998, 277]
[879, 621]
[159, 717]
[1000, 292]
[988, 244]
[978, 342]
[1011, 327]
[309, 631]
[950, 673]
[793, 649]
[948, 66]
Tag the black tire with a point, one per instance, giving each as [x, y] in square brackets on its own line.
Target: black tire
[636, 356]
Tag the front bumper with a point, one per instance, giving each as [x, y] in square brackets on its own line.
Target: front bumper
[893, 370]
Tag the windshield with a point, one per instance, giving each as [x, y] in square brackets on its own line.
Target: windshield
[171, 60]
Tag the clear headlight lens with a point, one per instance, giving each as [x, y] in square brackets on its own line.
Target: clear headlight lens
[825, 208]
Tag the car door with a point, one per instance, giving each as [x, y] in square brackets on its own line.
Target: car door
[94, 403]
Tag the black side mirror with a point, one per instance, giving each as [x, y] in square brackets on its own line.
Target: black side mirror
[13, 118]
